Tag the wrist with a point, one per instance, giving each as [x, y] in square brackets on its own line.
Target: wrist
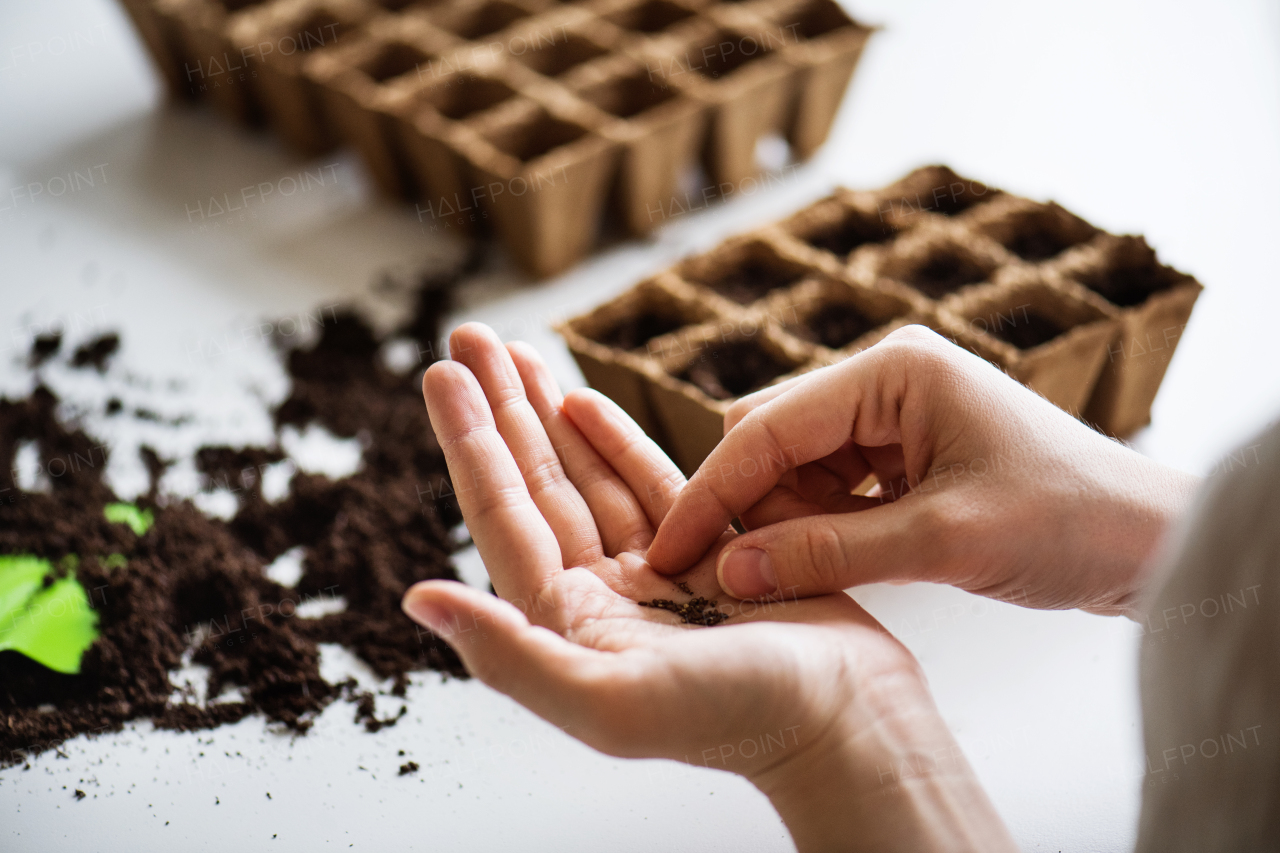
[885, 775]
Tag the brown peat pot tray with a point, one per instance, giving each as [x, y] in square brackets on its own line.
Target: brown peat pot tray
[1087, 319]
[422, 89]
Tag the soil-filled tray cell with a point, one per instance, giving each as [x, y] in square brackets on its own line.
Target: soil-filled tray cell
[1023, 327]
[1055, 342]
[851, 229]
[744, 273]
[1039, 233]
[940, 268]
[933, 189]
[730, 369]
[636, 332]
[833, 325]
[1128, 273]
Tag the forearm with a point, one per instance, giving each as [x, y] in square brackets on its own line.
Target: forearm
[894, 781]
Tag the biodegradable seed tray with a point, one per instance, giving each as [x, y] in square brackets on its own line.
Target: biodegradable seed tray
[1086, 318]
[529, 118]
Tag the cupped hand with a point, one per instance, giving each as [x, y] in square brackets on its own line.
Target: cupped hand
[562, 496]
[978, 483]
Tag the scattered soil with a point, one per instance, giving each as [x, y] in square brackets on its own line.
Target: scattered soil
[97, 352]
[834, 325]
[1030, 330]
[729, 370]
[43, 348]
[193, 587]
[408, 767]
[635, 332]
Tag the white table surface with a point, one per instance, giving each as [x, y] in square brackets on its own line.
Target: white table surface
[1160, 118]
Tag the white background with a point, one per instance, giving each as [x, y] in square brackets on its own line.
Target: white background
[1160, 118]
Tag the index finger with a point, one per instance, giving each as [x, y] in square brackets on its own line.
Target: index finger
[515, 542]
[862, 397]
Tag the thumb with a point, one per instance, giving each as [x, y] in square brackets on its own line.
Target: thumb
[826, 553]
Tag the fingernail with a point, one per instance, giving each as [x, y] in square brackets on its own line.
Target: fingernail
[425, 613]
[746, 573]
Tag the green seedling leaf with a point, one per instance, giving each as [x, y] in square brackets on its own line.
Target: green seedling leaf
[114, 561]
[52, 625]
[140, 520]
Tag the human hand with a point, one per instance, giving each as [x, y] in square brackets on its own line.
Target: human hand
[981, 484]
[549, 488]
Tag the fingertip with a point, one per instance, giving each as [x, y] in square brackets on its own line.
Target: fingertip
[522, 350]
[431, 610]
[468, 337]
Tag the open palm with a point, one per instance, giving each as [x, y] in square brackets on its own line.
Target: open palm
[562, 497]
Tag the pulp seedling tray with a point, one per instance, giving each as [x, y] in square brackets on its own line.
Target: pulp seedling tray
[1087, 319]
[529, 118]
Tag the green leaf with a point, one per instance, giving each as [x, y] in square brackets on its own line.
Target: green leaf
[52, 625]
[140, 520]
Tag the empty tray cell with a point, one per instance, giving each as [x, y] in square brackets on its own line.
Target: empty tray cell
[939, 268]
[461, 95]
[723, 52]
[534, 136]
[729, 369]
[1040, 232]
[936, 189]
[320, 29]
[238, 5]
[478, 21]
[629, 95]
[812, 20]
[744, 273]
[652, 16]
[395, 59]
[559, 53]
[854, 229]
[1128, 273]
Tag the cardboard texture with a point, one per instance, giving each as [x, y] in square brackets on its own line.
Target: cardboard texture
[1087, 319]
[1152, 303]
[279, 38]
[662, 88]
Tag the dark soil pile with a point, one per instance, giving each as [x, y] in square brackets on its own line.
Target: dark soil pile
[195, 585]
[96, 353]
